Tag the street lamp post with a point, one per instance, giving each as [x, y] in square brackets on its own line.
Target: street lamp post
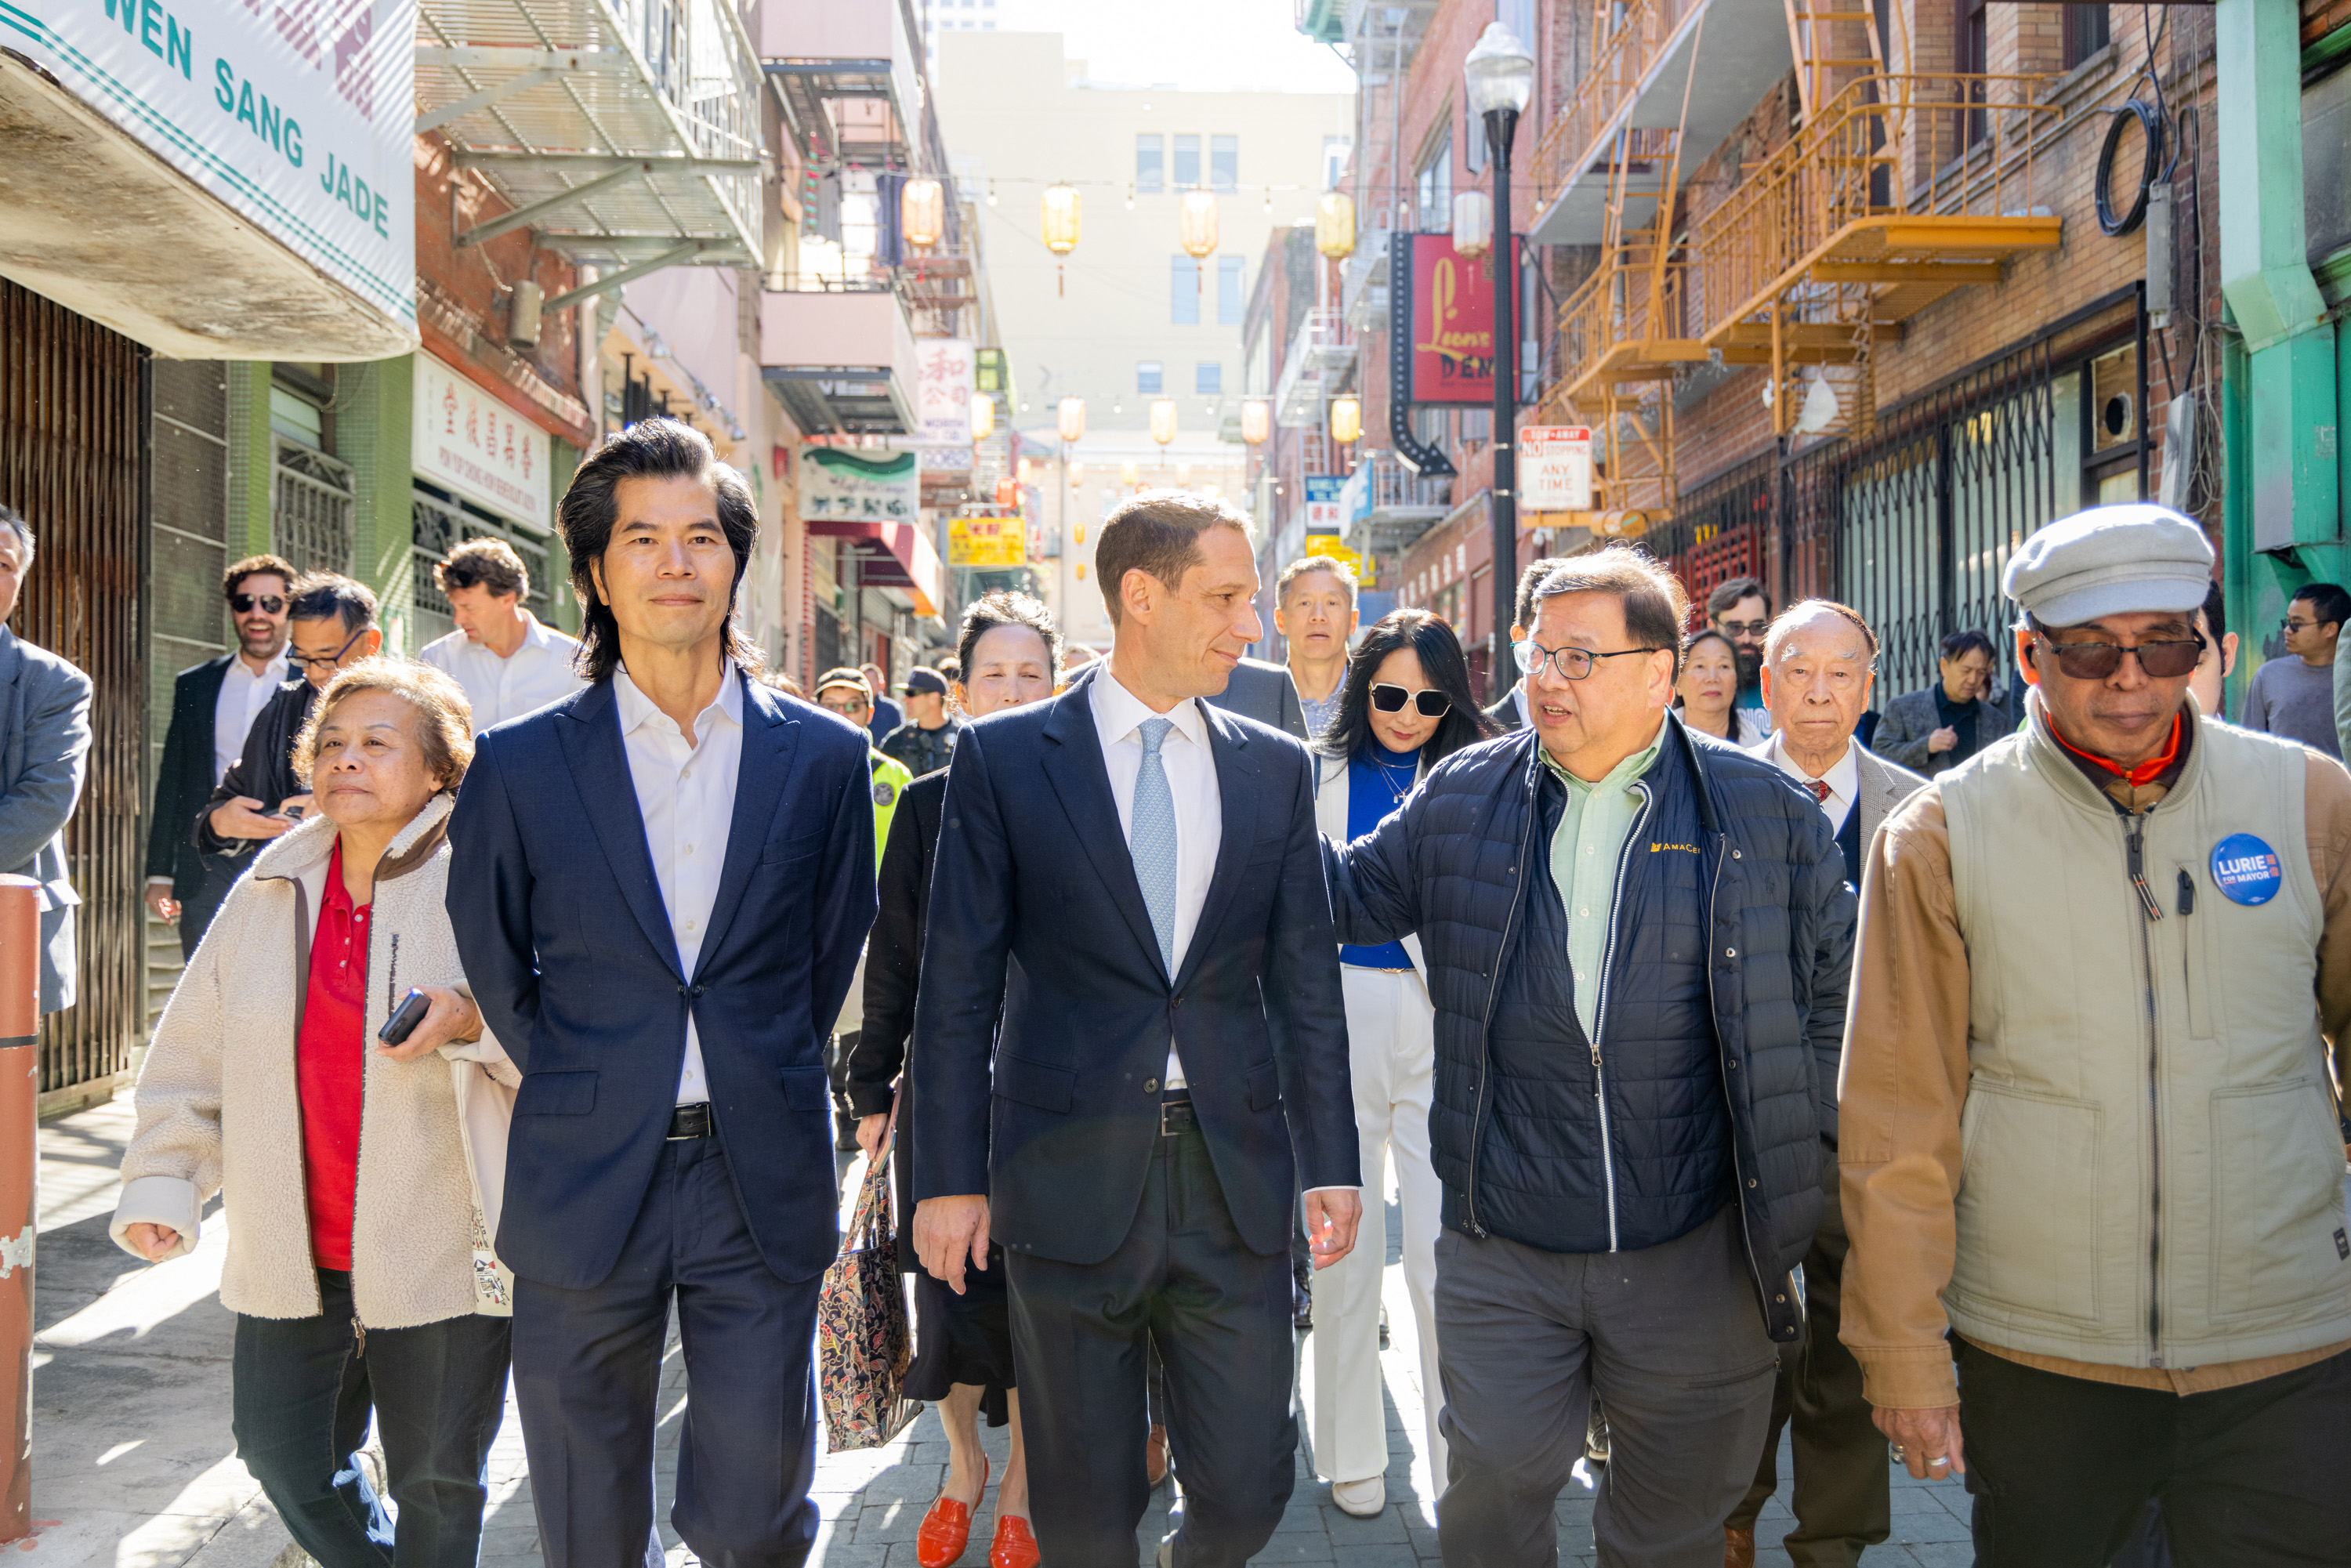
[1500, 77]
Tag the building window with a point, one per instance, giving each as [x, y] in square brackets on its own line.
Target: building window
[1336, 151]
[2085, 32]
[1432, 186]
[1148, 377]
[1229, 290]
[1225, 160]
[1975, 55]
[1183, 292]
[1208, 379]
[1149, 165]
[1187, 162]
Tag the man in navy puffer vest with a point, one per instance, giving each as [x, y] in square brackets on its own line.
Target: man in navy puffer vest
[1637, 943]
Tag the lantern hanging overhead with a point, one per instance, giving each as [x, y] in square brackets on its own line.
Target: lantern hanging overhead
[921, 212]
[1257, 421]
[1007, 492]
[1077, 473]
[1346, 419]
[1162, 421]
[1199, 223]
[1071, 419]
[1129, 473]
[1335, 224]
[1059, 222]
[983, 418]
[1473, 223]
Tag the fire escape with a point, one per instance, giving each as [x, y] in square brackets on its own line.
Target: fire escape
[1895, 189]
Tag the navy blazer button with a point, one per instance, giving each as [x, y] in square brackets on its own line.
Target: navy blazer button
[681, 990]
[1151, 1086]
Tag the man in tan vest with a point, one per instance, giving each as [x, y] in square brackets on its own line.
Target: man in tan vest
[2088, 1115]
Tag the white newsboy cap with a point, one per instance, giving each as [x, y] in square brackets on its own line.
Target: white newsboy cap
[2110, 560]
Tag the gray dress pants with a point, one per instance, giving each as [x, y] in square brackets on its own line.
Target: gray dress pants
[1671, 1337]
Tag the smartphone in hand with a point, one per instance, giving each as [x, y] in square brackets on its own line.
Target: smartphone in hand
[405, 1018]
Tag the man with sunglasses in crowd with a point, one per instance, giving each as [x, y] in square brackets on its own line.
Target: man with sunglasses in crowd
[2089, 1147]
[1638, 946]
[333, 624]
[213, 706]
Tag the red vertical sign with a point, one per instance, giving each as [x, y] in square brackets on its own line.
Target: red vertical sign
[1452, 345]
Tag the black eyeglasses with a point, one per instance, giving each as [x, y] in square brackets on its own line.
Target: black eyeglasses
[1743, 628]
[2166, 660]
[1428, 702]
[242, 603]
[1573, 663]
[302, 663]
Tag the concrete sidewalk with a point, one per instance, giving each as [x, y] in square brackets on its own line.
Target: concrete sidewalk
[133, 1466]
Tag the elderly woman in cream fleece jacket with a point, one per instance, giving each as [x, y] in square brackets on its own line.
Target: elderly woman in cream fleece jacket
[360, 1178]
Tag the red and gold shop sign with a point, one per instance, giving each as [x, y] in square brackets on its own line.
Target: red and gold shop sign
[1451, 345]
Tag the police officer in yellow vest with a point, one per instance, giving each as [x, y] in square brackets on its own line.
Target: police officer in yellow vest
[2088, 1107]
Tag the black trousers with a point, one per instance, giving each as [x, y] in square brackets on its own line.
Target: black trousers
[1219, 1314]
[303, 1389]
[588, 1372]
[196, 911]
[1843, 1494]
[2061, 1468]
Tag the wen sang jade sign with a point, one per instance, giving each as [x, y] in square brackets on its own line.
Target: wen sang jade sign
[1451, 303]
[299, 114]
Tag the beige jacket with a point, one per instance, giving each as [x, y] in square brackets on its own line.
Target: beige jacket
[2006, 1169]
[219, 1110]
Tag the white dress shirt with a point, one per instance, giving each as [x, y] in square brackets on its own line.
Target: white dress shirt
[1843, 779]
[243, 695]
[534, 674]
[1191, 783]
[686, 795]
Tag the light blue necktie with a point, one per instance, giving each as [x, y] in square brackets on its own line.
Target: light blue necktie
[1151, 839]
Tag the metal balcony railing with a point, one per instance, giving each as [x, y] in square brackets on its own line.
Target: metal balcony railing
[1318, 355]
[624, 132]
[1900, 190]
[1621, 61]
[1627, 323]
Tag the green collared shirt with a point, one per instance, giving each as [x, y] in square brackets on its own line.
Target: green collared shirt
[1584, 856]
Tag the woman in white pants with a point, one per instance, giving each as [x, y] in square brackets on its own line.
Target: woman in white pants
[1405, 705]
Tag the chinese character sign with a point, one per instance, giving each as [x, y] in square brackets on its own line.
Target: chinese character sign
[1452, 321]
[841, 486]
[466, 439]
[943, 392]
[1324, 512]
[987, 543]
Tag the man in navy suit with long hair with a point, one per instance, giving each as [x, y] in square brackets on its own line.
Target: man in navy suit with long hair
[1132, 881]
[660, 889]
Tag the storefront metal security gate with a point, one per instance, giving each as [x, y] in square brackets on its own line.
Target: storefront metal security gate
[441, 525]
[72, 414]
[1911, 527]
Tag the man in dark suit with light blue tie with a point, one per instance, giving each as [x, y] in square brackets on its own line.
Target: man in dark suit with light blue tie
[659, 888]
[1132, 881]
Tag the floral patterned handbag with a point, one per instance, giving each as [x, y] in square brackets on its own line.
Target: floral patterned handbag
[864, 1344]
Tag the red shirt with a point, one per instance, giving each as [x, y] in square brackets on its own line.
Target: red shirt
[330, 1065]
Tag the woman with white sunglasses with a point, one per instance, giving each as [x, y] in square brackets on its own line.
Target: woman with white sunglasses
[1405, 705]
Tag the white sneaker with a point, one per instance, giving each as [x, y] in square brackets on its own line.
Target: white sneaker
[1363, 1498]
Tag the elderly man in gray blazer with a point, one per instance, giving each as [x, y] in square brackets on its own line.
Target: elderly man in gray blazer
[1818, 661]
[44, 757]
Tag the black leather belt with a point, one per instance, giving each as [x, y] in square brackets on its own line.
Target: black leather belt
[691, 1122]
[1177, 1115]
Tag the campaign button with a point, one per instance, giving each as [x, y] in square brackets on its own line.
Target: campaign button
[2246, 870]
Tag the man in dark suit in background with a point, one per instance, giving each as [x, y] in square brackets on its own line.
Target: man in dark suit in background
[1263, 691]
[44, 735]
[1510, 709]
[1132, 880]
[213, 706]
[660, 889]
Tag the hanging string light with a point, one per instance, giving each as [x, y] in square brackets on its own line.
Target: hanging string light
[1059, 220]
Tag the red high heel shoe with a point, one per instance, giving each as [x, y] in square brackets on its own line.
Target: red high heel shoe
[1014, 1546]
[946, 1529]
